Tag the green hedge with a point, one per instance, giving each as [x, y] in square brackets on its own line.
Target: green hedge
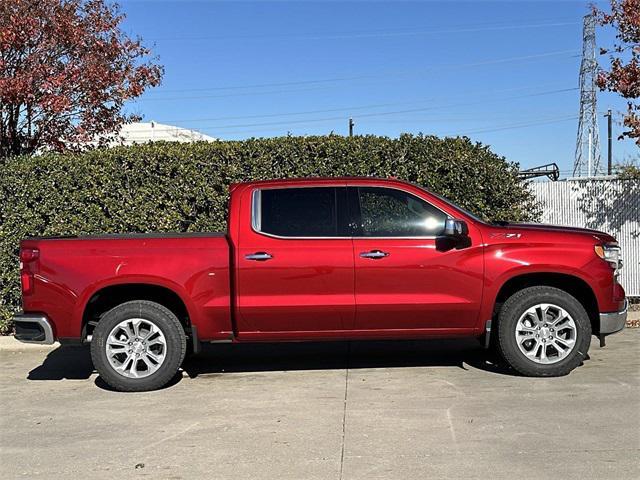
[183, 187]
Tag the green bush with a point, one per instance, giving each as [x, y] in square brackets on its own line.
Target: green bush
[183, 187]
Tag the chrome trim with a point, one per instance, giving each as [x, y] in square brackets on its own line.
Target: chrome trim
[279, 237]
[374, 254]
[613, 322]
[256, 214]
[259, 256]
[40, 320]
[256, 210]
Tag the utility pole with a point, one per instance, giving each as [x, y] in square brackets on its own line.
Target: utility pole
[609, 133]
[351, 124]
[587, 158]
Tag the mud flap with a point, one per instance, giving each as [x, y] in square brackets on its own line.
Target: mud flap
[196, 345]
[487, 334]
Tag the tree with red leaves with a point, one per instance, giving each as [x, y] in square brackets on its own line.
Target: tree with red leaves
[66, 70]
[623, 76]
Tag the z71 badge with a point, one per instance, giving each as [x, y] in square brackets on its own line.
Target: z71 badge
[505, 235]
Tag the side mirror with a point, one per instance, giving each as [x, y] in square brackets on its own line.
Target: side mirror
[455, 235]
[455, 228]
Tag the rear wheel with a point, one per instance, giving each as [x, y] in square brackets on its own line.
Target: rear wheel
[138, 346]
[543, 332]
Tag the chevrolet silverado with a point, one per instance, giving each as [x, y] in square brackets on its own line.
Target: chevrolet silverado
[324, 259]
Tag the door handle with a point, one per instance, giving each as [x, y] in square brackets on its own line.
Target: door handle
[374, 254]
[259, 256]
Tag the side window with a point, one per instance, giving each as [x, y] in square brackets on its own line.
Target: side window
[297, 212]
[387, 212]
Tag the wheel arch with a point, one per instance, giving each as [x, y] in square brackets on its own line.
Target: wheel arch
[572, 284]
[108, 296]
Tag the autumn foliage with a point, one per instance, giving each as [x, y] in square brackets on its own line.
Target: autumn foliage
[66, 70]
[623, 73]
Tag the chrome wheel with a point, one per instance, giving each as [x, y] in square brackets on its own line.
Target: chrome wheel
[136, 348]
[546, 333]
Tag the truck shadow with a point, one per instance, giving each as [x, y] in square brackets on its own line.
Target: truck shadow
[218, 359]
[229, 358]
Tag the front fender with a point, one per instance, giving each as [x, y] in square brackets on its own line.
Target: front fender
[506, 262]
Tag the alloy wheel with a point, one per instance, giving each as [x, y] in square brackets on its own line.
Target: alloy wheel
[136, 348]
[546, 333]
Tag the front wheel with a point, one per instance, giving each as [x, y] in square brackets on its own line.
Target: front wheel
[543, 332]
[138, 346]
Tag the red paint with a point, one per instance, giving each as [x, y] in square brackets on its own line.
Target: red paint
[314, 288]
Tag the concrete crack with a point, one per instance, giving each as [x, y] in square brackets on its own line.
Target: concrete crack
[344, 410]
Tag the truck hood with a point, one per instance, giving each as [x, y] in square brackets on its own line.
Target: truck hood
[542, 228]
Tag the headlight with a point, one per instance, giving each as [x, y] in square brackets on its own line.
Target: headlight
[610, 254]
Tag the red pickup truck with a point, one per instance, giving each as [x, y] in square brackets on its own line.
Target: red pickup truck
[324, 259]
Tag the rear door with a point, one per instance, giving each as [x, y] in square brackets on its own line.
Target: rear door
[295, 264]
[402, 280]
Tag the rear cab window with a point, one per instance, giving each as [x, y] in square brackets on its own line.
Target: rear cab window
[300, 212]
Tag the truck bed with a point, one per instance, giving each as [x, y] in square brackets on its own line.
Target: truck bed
[126, 236]
[73, 273]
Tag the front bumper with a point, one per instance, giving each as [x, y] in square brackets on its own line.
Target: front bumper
[33, 328]
[614, 321]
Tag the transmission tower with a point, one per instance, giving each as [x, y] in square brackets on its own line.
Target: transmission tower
[587, 161]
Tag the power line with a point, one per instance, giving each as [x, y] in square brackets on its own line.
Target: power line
[352, 78]
[387, 113]
[438, 118]
[359, 107]
[412, 110]
[434, 32]
[546, 121]
[376, 34]
[381, 74]
[519, 125]
[507, 126]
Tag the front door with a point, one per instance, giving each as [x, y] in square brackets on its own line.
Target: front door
[295, 264]
[402, 280]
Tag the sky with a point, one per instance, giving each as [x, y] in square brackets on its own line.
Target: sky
[503, 73]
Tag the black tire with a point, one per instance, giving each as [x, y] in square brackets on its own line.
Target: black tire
[164, 320]
[516, 306]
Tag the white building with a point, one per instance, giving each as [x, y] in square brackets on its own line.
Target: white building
[143, 132]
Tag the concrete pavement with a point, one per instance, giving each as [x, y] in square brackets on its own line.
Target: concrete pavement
[393, 410]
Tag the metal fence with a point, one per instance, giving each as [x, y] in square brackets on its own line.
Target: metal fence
[606, 204]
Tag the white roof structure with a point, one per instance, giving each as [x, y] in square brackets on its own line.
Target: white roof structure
[143, 132]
